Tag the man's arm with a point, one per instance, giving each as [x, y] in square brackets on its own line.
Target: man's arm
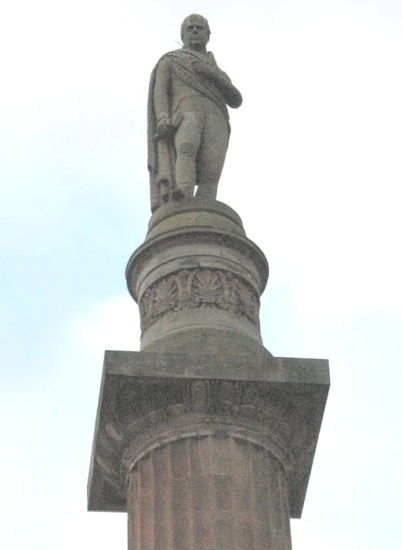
[162, 92]
[221, 80]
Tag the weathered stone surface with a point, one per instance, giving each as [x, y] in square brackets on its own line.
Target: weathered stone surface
[198, 279]
[188, 121]
[203, 437]
[150, 400]
[208, 492]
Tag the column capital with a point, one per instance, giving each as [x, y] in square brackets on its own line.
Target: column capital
[148, 400]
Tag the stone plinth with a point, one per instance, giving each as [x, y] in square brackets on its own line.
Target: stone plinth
[224, 442]
[198, 280]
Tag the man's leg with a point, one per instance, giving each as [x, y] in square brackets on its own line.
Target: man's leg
[212, 156]
[187, 142]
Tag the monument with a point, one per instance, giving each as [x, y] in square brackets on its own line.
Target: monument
[203, 437]
[188, 121]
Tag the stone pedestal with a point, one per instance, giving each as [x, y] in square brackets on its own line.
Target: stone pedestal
[198, 280]
[204, 438]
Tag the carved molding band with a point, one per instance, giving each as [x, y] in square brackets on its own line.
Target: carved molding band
[199, 288]
[202, 407]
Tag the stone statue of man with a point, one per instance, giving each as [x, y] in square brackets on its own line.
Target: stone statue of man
[188, 121]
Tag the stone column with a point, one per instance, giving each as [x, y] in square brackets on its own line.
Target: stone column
[203, 437]
[208, 493]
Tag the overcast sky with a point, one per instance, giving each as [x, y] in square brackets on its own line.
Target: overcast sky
[314, 170]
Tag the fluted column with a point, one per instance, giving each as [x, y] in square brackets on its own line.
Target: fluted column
[208, 493]
[203, 437]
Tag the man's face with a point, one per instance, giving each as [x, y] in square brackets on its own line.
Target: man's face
[195, 34]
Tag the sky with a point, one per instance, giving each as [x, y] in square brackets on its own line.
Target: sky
[313, 169]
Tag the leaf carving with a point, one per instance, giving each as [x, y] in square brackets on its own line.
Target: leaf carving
[207, 287]
[165, 296]
[200, 287]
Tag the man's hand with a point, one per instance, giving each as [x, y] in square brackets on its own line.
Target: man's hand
[205, 69]
[218, 78]
[164, 128]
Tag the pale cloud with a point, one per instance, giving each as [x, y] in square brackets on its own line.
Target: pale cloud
[323, 127]
[49, 439]
[106, 325]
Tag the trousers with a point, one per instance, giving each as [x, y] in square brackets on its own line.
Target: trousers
[201, 142]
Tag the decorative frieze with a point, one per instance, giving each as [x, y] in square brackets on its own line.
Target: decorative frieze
[149, 400]
[192, 408]
[198, 288]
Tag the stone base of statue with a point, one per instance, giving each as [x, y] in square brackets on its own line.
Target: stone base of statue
[198, 280]
[204, 438]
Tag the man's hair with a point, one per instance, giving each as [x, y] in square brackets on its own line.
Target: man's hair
[194, 15]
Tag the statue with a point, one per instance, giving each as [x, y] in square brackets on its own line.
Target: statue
[188, 121]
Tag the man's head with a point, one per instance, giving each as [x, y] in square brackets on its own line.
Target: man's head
[195, 32]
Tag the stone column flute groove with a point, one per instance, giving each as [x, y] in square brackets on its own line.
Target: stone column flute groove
[209, 493]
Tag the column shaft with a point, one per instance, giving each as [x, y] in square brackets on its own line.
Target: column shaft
[208, 493]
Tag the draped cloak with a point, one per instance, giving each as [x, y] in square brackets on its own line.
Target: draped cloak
[161, 151]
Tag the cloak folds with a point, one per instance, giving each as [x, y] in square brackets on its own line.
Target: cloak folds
[161, 152]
